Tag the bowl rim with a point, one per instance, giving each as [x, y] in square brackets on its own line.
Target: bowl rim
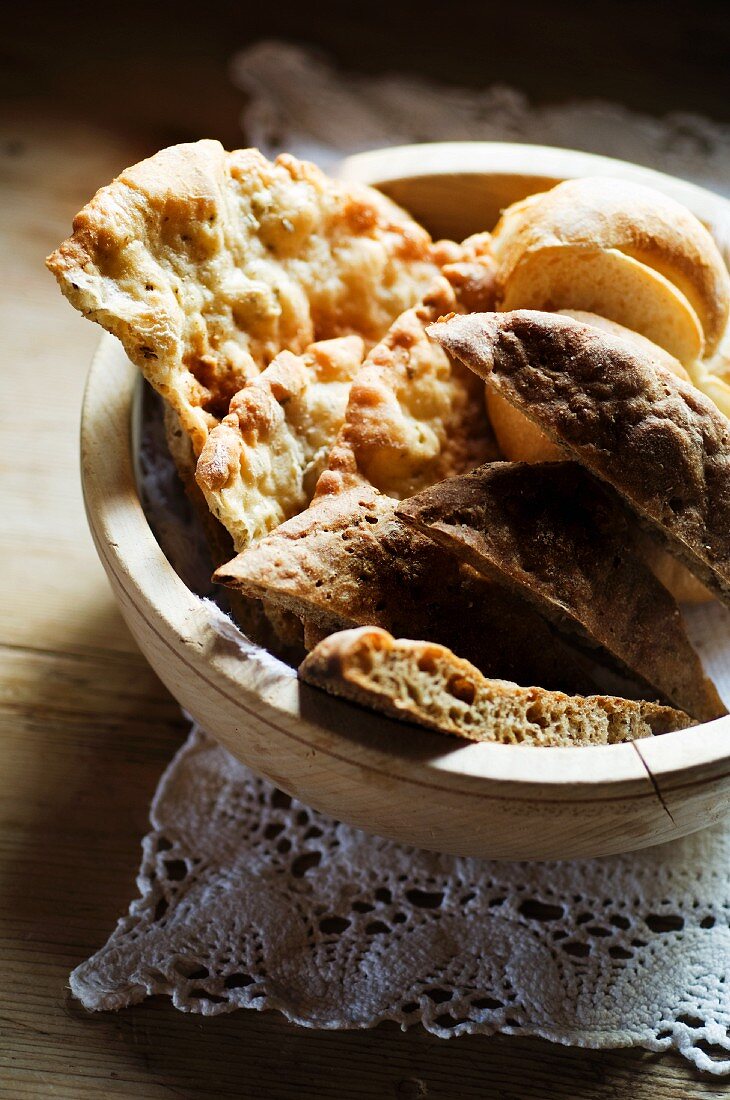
[351, 736]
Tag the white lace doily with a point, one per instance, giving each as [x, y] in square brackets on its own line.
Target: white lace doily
[249, 899]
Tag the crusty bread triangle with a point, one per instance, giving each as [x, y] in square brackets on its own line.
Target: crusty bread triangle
[207, 264]
[349, 561]
[425, 683]
[554, 534]
[657, 440]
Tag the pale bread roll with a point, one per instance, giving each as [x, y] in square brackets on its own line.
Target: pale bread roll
[606, 281]
[602, 214]
[520, 440]
[426, 683]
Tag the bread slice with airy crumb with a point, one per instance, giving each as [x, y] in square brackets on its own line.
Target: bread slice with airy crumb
[562, 540]
[428, 684]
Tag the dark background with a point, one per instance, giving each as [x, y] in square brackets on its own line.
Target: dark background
[170, 58]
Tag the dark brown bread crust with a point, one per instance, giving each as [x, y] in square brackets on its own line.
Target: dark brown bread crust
[662, 444]
[552, 533]
[348, 561]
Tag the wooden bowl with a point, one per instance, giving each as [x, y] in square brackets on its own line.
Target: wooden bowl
[421, 788]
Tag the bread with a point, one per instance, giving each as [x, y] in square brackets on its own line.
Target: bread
[601, 216]
[659, 442]
[414, 416]
[427, 684]
[668, 570]
[207, 264]
[556, 536]
[521, 440]
[277, 631]
[349, 561]
[609, 283]
[261, 464]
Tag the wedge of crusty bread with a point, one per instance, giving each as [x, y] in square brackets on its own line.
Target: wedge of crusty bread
[598, 217]
[206, 264]
[349, 561]
[521, 440]
[553, 533]
[658, 441]
[426, 683]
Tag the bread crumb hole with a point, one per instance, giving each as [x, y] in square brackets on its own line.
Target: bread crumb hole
[427, 663]
[536, 716]
[461, 688]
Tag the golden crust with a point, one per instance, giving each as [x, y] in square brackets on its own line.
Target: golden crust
[426, 683]
[609, 214]
[207, 264]
[260, 465]
[415, 415]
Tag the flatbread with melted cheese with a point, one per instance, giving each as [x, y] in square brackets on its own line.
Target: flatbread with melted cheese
[207, 264]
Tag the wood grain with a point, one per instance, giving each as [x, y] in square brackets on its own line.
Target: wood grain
[85, 731]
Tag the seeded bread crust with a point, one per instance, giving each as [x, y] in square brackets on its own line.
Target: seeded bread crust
[554, 534]
[656, 439]
[427, 684]
[349, 561]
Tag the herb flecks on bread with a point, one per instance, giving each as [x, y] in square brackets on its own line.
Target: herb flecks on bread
[421, 682]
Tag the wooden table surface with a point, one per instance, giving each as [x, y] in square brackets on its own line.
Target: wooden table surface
[86, 729]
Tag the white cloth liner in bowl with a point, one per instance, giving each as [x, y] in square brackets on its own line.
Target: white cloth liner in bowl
[250, 899]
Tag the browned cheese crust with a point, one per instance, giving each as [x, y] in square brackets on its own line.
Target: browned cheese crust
[349, 561]
[422, 682]
[657, 440]
[555, 535]
[207, 264]
[414, 414]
